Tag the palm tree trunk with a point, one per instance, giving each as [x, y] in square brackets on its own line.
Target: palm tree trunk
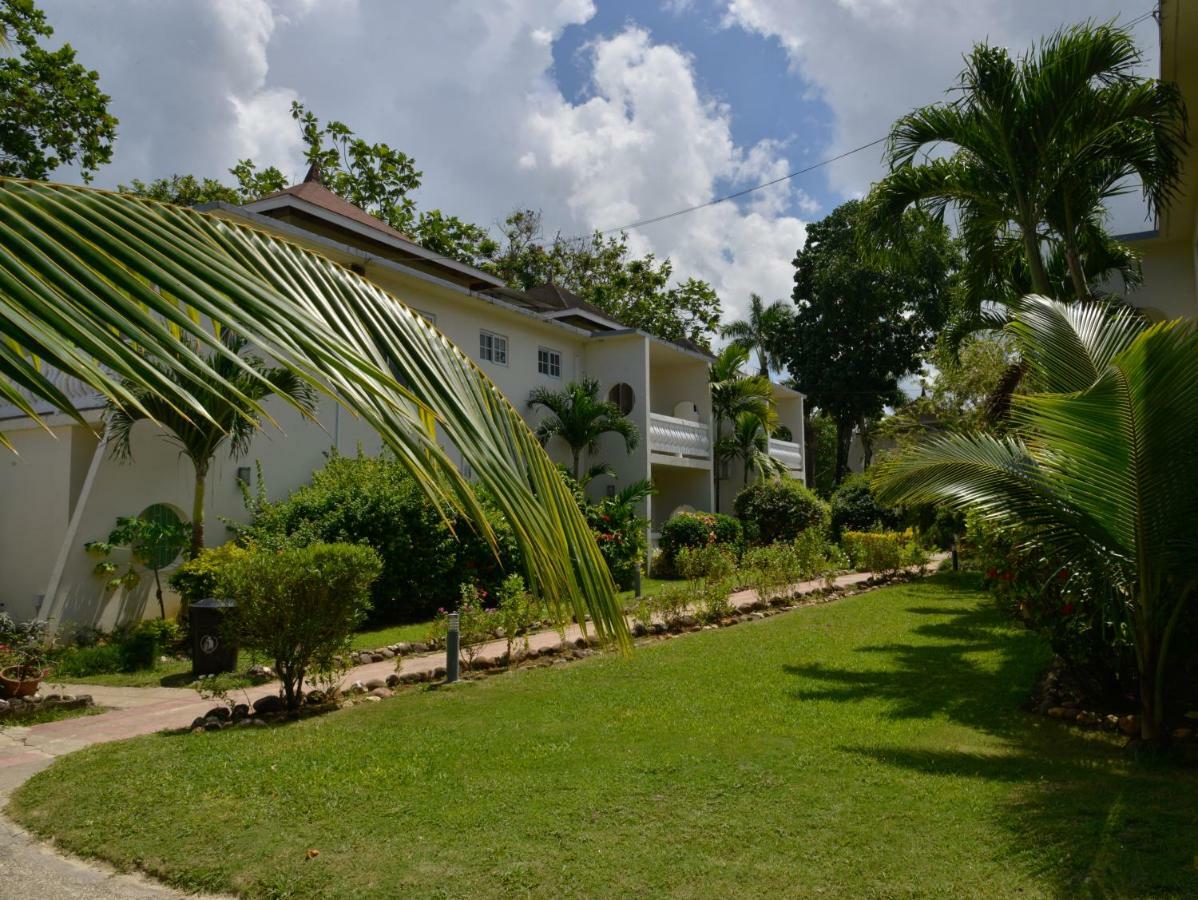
[1073, 257]
[808, 447]
[158, 594]
[717, 426]
[577, 467]
[197, 512]
[1035, 262]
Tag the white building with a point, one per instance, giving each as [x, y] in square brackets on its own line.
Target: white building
[64, 488]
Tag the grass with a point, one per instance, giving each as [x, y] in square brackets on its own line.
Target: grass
[872, 746]
[416, 632]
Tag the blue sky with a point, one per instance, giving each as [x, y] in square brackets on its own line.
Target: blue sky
[596, 112]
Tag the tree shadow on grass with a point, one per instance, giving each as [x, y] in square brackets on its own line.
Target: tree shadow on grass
[1082, 814]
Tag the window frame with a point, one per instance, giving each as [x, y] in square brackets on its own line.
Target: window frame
[489, 354]
[553, 358]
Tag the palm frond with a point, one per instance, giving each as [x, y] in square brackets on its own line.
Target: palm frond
[99, 284]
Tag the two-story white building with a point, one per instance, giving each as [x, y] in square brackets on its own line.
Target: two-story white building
[64, 488]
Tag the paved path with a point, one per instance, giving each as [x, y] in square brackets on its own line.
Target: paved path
[29, 868]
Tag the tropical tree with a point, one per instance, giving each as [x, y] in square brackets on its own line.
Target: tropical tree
[1038, 144]
[52, 111]
[580, 418]
[759, 332]
[748, 440]
[733, 393]
[229, 417]
[101, 286]
[1100, 470]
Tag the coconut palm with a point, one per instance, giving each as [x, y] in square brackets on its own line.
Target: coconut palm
[748, 440]
[1038, 144]
[103, 286]
[1101, 467]
[580, 418]
[228, 418]
[759, 332]
[734, 393]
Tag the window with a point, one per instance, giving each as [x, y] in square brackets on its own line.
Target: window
[549, 362]
[492, 347]
[621, 394]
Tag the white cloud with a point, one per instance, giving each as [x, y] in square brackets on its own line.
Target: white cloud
[873, 60]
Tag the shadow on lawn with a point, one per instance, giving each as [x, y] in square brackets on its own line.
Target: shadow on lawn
[1082, 814]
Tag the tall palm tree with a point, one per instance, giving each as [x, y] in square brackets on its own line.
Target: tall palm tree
[228, 418]
[580, 418]
[103, 286]
[734, 393]
[1038, 144]
[1101, 468]
[748, 440]
[760, 330]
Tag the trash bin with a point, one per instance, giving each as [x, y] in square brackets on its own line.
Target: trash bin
[212, 651]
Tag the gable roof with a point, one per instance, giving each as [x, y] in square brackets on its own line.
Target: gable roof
[313, 191]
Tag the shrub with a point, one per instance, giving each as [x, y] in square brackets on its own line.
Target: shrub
[854, 508]
[298, 607]
[198, 577]
[712, 605]
[697, 530]
[518, 613]
[883, 552]
[774, 510]
[708, 562]
[130, 648]
[82, 662]
[140, 646]
[374, 501]
[21, 634]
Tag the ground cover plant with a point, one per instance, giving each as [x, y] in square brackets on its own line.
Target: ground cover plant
[871, 746]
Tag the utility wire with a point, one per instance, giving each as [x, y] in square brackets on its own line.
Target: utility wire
[823, 162]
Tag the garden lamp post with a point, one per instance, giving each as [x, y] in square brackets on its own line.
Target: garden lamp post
[452, 641]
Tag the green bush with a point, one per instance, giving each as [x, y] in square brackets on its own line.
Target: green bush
[82, 662]
[883, 552]
[374, 501]
[298, 606]
[197, 578]
[774, 510]
[854, 508]
[697, 529]
[130, 648]
[141, 645]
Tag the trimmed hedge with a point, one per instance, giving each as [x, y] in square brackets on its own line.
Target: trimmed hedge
[774, 510]
[695, 530]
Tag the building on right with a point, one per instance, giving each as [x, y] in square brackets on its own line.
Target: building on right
[1169, 252]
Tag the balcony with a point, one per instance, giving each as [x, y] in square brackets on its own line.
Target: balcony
[679, 442]
[789, 454]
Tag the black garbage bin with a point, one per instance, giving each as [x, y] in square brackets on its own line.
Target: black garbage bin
[212, 650]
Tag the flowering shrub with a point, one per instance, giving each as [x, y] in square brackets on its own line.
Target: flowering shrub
[697, 530]
[1056, 599]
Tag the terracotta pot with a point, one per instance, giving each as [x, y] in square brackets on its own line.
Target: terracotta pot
[21, 681]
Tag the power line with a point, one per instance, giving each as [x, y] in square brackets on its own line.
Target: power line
[811, 168]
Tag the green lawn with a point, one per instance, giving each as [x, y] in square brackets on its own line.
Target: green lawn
[395, 634]
[872, 746]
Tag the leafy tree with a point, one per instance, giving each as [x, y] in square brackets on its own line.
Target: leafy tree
[374, 176]
[580, 418]
[1100, 471]
[153, 542]
[1038, 144]
[760, 330]
[229, 416]
[860, 327]
[602, 271]
[734, 394]
[52, 111]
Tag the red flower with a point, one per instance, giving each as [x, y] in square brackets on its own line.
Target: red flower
[1063, 575]
[991, 573]
[1067, 609]
[1007, 576]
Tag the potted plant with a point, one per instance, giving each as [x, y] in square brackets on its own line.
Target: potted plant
[21, 672]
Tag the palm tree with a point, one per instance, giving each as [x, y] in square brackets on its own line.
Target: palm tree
[749, 441]
[228, 417]
[1039, 144]
[734, 393]
[103, 286]
[580, 418]
[1101, 467]
[760, 330]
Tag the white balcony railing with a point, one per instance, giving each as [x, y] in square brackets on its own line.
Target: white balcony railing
[788, 453]
[670, 436]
